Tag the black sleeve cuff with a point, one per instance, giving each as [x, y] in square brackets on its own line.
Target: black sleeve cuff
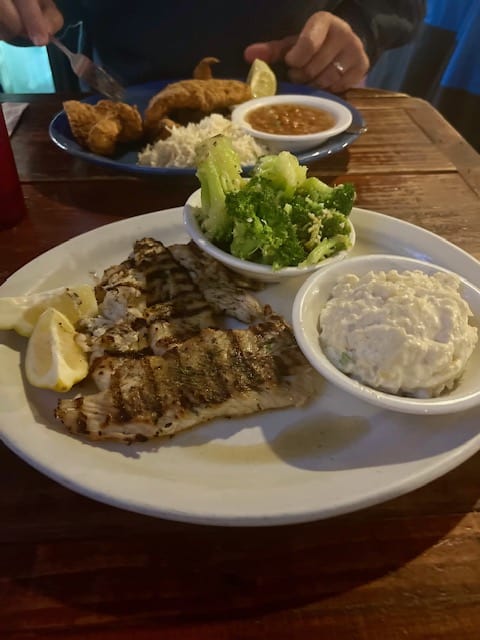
[382, 25]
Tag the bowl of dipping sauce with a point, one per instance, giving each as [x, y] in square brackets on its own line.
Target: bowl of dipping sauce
[292, 122]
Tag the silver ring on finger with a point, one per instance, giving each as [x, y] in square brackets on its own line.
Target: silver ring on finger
[339, 67]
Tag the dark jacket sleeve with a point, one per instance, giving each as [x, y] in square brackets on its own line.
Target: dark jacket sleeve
[148, 42]
[382, 24]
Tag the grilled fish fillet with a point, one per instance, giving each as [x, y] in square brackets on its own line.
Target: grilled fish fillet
[161, 296]
[225, 290]
[216, 373]
[146, 303]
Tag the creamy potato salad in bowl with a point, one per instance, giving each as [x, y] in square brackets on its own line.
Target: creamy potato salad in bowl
[395, 331]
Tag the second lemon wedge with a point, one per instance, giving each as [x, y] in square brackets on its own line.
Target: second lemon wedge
[53, 359]
[22, 312]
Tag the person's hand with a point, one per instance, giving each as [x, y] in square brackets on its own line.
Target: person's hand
[33, 19]
[326, 54]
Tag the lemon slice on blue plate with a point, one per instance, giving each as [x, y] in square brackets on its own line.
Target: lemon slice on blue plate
[261, 79]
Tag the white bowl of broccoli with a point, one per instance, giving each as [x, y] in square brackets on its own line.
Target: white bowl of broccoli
[278, 223]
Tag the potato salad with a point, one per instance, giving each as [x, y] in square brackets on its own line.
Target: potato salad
[406, 333]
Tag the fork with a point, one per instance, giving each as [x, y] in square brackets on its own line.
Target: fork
[96, 77]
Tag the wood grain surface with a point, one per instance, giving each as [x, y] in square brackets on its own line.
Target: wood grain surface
[73, 568]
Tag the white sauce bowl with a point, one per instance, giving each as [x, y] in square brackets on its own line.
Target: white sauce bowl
[294, 143]
[315, 292]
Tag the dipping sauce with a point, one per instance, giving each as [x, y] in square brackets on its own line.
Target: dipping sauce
[290, 119]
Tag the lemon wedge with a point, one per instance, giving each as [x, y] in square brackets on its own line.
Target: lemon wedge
[22, 312]
[53, 359]
[261, 79]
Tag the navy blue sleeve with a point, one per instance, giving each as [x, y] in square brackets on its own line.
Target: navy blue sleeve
[155, 39]
[383, 24]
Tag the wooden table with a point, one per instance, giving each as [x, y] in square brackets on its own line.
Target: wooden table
[409, 568]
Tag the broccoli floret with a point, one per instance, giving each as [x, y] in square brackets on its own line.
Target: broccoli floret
[335, 223]
[315, 188]
[315, 223]
[307, 216]
[278, 217]
[248, 237]
[283, 170]
[219, 173]
[340, 198]
[326, 248]
[262, 227]
[247, 210]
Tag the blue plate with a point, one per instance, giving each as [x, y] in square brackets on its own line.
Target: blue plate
[60, 133]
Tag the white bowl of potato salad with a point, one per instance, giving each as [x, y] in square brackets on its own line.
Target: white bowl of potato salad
[394, 331]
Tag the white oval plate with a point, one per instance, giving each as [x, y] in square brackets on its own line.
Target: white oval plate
[334, 456]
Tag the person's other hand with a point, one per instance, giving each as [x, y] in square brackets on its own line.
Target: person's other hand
[33, 19]
[326, 54]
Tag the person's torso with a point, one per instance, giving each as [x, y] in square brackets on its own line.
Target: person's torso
[150, 40]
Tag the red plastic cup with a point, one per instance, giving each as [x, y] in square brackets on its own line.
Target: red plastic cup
[12, 204]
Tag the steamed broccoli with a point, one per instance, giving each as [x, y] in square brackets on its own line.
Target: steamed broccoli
[339, 198]
[283, 170]
[263, 230]
[219, 173]
[325, 248]
[278, 217]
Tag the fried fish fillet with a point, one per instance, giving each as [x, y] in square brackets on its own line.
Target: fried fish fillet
[128, 116]
[216, 373]
[203, 70]
[201, 94]
[102, 126]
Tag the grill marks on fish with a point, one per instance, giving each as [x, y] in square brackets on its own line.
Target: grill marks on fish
[147, 303]
[160, 360]
[161, 296]
[151, 271]
[216, 373]
[178, 319]
[225, 290]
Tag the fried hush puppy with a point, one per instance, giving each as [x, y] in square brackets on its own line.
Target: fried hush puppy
[201, 94]
[102, 126]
